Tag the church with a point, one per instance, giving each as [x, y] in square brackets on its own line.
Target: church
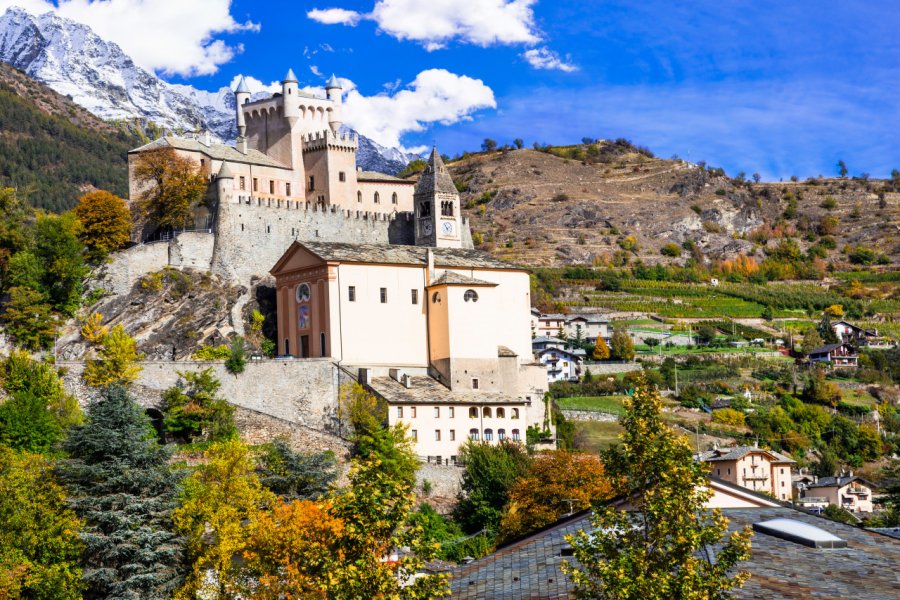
[377, 273]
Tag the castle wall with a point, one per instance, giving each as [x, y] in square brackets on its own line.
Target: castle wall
[127, 266]
[192, 249]
[386, 191]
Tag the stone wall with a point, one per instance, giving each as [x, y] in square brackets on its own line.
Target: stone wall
[445, 483]
[192, 249]
[611, 368]
[129, 265]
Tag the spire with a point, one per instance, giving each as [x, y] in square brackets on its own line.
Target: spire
[333, 83]
[242, 87]
[290, 77]
[225, 172]
[435, 178]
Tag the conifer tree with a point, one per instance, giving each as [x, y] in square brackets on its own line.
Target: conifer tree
[124, 489]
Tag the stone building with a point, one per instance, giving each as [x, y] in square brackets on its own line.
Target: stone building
[753, 468]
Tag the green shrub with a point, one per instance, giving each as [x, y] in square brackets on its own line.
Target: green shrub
[220, 352]
[670, 249]
[829, 203]
[237, 358]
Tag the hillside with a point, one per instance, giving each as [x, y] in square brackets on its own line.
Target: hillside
[54, 150]
[538, 208]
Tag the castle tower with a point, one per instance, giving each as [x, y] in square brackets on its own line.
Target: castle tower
[436, 200]
[241, 97]
[289, 97]
[333, 92]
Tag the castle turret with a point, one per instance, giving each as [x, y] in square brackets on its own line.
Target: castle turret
[241, 97]
[224, 183]
[333, 92]
[436, 199]
[290, 98]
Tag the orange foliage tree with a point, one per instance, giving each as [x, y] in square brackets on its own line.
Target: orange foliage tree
[741, 264]
[105, 223]
[558, 482]
[172, 186]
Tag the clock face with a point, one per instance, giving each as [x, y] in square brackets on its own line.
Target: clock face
[426, 228]
[447, 227]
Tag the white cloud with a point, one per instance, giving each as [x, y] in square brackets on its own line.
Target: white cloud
[315, 70]
[170, 36]
[255, 85]
[545, 58]
[334, 16]
[435, 96]
[436, 23]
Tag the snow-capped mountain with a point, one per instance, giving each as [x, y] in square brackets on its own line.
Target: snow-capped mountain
[71, 59]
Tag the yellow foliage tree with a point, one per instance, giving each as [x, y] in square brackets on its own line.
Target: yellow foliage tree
[835, 310]
[93, 330]
[117, 362]
[105, 223]
[173, 186]
[601, 350]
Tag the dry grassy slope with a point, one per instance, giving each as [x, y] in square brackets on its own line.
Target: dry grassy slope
[552, 211]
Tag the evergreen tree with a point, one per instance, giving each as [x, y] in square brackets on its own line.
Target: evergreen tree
[490, 472]
[601, 350]
[296, 476]
[194, 409]
[124, 489]
[826, 331]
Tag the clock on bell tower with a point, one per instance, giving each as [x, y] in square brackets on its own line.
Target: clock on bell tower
[436, 200]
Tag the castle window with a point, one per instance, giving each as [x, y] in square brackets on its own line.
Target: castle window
[359, 196]
[437, 435]
[486, 411]
[515, 413]
[202, 162]
[394, 198]
[501, 414]
[425, 209]
[271, 187]
[470, 296]
[437, 412]
[287, 189]
[243, 183]
[475, 387]
[515, 435]
[473, 412]
[488, 435]
[473, 435]
[377, 198]
[399, 412]
[451, 411]
[415, 296]
[436, 298]
[452, 435]
[322, 344]
[384, 295]
[287, 347]
[447, 208]
[255, 184]
[351, 293]
[312, 183]
[501, 434]
[414, 434]
[342, 176]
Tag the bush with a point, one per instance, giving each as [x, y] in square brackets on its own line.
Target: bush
[729, 416]
[671, 249]
[712, 227]
[829, 203]
[237, 358]
[220, 352]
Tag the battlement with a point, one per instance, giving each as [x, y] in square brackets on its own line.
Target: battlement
[328, 139]
[302, 206]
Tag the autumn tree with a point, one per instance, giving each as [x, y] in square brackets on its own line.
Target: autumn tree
[621, 346]
[222, 503]
[601, 350]
[172, 186]
[117, 360]
[557, 483]
[105, 223]
[194, 409]
[666, 544]
[123, 488]
[29, 318]
[39, 544]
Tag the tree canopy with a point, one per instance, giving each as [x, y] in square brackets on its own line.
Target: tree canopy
[172, 184]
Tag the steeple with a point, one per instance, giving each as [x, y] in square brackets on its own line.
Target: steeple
[436, 178]
[436, 200]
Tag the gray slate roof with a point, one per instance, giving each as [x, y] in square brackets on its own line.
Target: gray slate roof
[426, 390]
[739, 452]
[529, 567]
[436, 177]
[451, 278]
[376, 176]
[214, 151]
[405, 255]
[836, 481]
[827, 348]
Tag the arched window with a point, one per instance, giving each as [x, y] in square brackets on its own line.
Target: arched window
[515, 435]
[486, 412]
[436, 298]
[501, 414]
[394, 198]
[470, 296]
[425, 209]
[515, 413]
[473, 435]
[501, 434]
[359, 196]
[473, 413]
[489, 435]
[377, 198]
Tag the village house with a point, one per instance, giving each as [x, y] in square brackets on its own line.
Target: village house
[834, 355]
[584, 327]
[543, 342]
[849, 492]
[563, 364]
[753, 468]
[851, 334]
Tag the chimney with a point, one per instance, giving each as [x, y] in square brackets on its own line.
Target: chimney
[429, 265]
[365, 376]
[207, 140]
[242, 145]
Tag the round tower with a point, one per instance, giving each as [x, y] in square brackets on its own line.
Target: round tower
[289, 97]
[241, 97]
[333, 92]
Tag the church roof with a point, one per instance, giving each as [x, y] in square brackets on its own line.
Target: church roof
[436, 177]
[242, 87]
[451, 278]
[447, 258]
[333, 82]
[376, 176]
[214, 151]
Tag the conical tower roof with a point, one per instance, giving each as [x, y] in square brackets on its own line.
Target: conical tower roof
[333, 82]
[436, 178]
[225, 172]
[242, 87]
[290, 77]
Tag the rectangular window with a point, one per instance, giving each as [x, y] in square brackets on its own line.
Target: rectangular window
[384, 295]
[351, 293]
[412, 412]
[271, 187]
[312, 183]
[414, 434]
[437, 435]
[437, 412]
[474, 383]
[415, 296]
[451, 412]
[243, 182]
[452, 435]
[399, 412]
[287, 189]
[255, 184]
[342, 176]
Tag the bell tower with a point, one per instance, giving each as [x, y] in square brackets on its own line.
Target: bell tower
[438, 220]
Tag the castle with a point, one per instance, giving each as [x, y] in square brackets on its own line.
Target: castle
[376, 273]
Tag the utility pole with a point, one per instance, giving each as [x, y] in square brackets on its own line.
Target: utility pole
[676, 378]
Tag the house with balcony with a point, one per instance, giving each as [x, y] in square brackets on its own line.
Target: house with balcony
[562, 364]
[851, 334]
[842, 354]
[753, 468]
[847, 491]
[587, 327]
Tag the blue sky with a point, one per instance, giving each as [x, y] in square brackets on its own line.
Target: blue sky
[780, 88]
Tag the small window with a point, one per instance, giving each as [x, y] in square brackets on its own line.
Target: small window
[486, 412]
[515, 435]
[475, 383]
[243, 183]
[451, 411]
[436, 298]
[342, 176]
[412, 412]
[414, 434]
[452, 435]
[729, 471]
[489, 435]
[287, 189]
[312, 183]
[515, 413]
[271, 187]
[377, 198]
[473, 435]
[425, 209]
[399, 412]
[437, 435]
[473, 412]
[351, 293]
[202, 162]
[501, 434]
[359, 196]
[384, 295]
[322, 344]
[394, 198]
[501, 414]
[437, 412]
[470, 296]
[255, 184]
[414, 294]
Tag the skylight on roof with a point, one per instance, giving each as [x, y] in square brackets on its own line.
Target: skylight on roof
[800, 533]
